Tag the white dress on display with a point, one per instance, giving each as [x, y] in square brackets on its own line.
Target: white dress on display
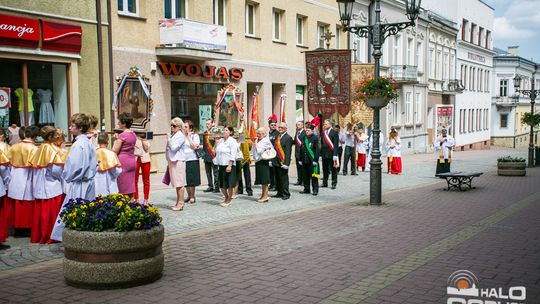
[46, 112]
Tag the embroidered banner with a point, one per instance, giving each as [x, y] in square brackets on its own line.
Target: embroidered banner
[328, 81]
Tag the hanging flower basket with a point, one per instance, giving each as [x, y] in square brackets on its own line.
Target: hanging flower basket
[375, 93]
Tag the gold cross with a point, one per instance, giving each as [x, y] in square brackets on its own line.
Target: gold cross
[327, 37]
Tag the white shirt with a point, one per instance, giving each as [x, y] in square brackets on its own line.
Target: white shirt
[259, 148]
[175, 151]
[189, 152]
[226, 152]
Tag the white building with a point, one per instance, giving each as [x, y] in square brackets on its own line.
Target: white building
[508, 108]
[403, 59]
[474, 68]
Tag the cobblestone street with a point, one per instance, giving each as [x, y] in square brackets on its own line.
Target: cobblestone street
[332, 248]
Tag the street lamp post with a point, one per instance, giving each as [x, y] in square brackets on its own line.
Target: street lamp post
[532, 93]
[376, 33]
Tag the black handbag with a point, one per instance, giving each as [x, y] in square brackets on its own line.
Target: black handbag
[200, 152]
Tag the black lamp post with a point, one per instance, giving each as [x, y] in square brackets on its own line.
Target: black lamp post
[532, 93]
[376, 33]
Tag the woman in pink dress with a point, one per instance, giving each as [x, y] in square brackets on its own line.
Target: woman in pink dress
[124, 147]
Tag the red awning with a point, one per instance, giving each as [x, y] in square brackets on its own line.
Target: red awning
[19, 31]
[61, 37]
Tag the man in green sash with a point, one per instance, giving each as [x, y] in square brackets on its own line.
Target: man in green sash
[310, 152]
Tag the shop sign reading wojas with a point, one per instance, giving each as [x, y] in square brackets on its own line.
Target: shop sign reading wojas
[195, 70]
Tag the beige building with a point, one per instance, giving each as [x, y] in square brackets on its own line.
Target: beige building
[257, 45]
[49, 56]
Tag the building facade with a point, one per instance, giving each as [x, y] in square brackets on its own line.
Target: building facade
[50, 55]
[474, 65]
[404, 60]
[257, 45]
[508, 107]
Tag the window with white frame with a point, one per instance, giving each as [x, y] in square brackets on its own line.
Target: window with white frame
[175, 9]
[410, 51]
[395, 113]
[418, 107]
[481, 80]
[503, 87]
[488, 84]
[338, 37]
[396, 53]
[251, 14]
[219, 12]
[431, 62]
[445, 66]
[452, 64]
[460, 121]
[464, 77]
[277, 16]
[504, 121]
[359, 46]
[300, 22]
[128, 7]
[438, 62]
[408, 108]
[419, 58]
[321, 29]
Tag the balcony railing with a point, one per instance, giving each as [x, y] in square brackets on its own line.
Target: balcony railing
[453, 86]
[405, 73]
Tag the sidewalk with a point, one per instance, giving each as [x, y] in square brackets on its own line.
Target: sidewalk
[332, 252]
[418, 170]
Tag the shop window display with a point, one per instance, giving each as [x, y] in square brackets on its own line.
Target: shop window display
[46, 102]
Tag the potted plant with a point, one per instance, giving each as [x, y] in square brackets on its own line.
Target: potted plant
[111, 242]
[511, 166]
[375, 92]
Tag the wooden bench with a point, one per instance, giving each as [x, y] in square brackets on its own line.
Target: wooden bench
[459, 179]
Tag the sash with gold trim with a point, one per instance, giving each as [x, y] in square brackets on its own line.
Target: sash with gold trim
[208, 145]
[279, 150]
[21, 154]
[107, 160]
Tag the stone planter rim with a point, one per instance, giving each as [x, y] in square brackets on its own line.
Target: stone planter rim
[376, 102]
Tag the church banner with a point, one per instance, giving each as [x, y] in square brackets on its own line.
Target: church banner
[328, 81]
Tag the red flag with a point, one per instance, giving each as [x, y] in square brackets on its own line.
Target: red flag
[255, 120]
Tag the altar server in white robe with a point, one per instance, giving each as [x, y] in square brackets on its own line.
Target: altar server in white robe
[108, 168]
[80, 168]
[381, 143]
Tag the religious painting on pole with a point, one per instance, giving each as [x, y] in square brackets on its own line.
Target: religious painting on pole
[445, 114]
[229, 109]
[328, 81]
[360, 114]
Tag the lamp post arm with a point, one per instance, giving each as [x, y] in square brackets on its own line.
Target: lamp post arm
[391, 29]
[360, 31]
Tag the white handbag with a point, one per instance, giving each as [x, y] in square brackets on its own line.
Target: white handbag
[269, 154]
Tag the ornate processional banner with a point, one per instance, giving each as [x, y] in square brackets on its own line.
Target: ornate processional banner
[328, 81]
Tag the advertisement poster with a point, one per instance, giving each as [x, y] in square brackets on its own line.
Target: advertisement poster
[205, 113]
[4, 98]
[192, 34]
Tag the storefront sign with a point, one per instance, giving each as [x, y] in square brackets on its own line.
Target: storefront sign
[61, 37]
[19, 31]
[192, 34]
[476, 57]
[4, 98]
[443, 111]
[195, 70]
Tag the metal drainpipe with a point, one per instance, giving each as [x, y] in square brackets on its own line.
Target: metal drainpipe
[111, 73]
[100, 66]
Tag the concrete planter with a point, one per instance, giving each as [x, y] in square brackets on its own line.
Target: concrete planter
[109, 260]
[511, 168]
[376, 103]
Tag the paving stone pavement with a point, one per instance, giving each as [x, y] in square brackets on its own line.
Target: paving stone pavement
[402, 252]
[418, 170]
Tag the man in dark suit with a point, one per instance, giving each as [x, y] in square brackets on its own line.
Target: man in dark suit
[329, 153]
[208, 156]
[298, 138]
[272, 134]
[281, 163]
[309, 155]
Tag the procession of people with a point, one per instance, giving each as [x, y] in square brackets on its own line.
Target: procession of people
[38, 177]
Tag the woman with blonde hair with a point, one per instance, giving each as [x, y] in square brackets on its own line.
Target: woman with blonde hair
[175, 159]
[226, 150]
[262, 167]
[393, 152]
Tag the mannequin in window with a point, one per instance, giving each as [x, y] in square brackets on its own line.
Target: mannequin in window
[46, 112]
[20, 99]
[13, 134]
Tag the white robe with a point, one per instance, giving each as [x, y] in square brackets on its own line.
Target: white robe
[446, 145]
[79, 172]
[106, 182]
[5, 176]
[47, 182]
[20, 186]
[395, 151]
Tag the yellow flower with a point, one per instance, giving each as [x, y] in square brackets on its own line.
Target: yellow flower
[83, 214]
[138, 225]
[119, 204]
[83, 207]
[92, 204]
[73, 225]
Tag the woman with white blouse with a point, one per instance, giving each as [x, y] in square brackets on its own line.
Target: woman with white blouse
[226, 149]
[176, 164]
[262, 167]
[193, 173]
